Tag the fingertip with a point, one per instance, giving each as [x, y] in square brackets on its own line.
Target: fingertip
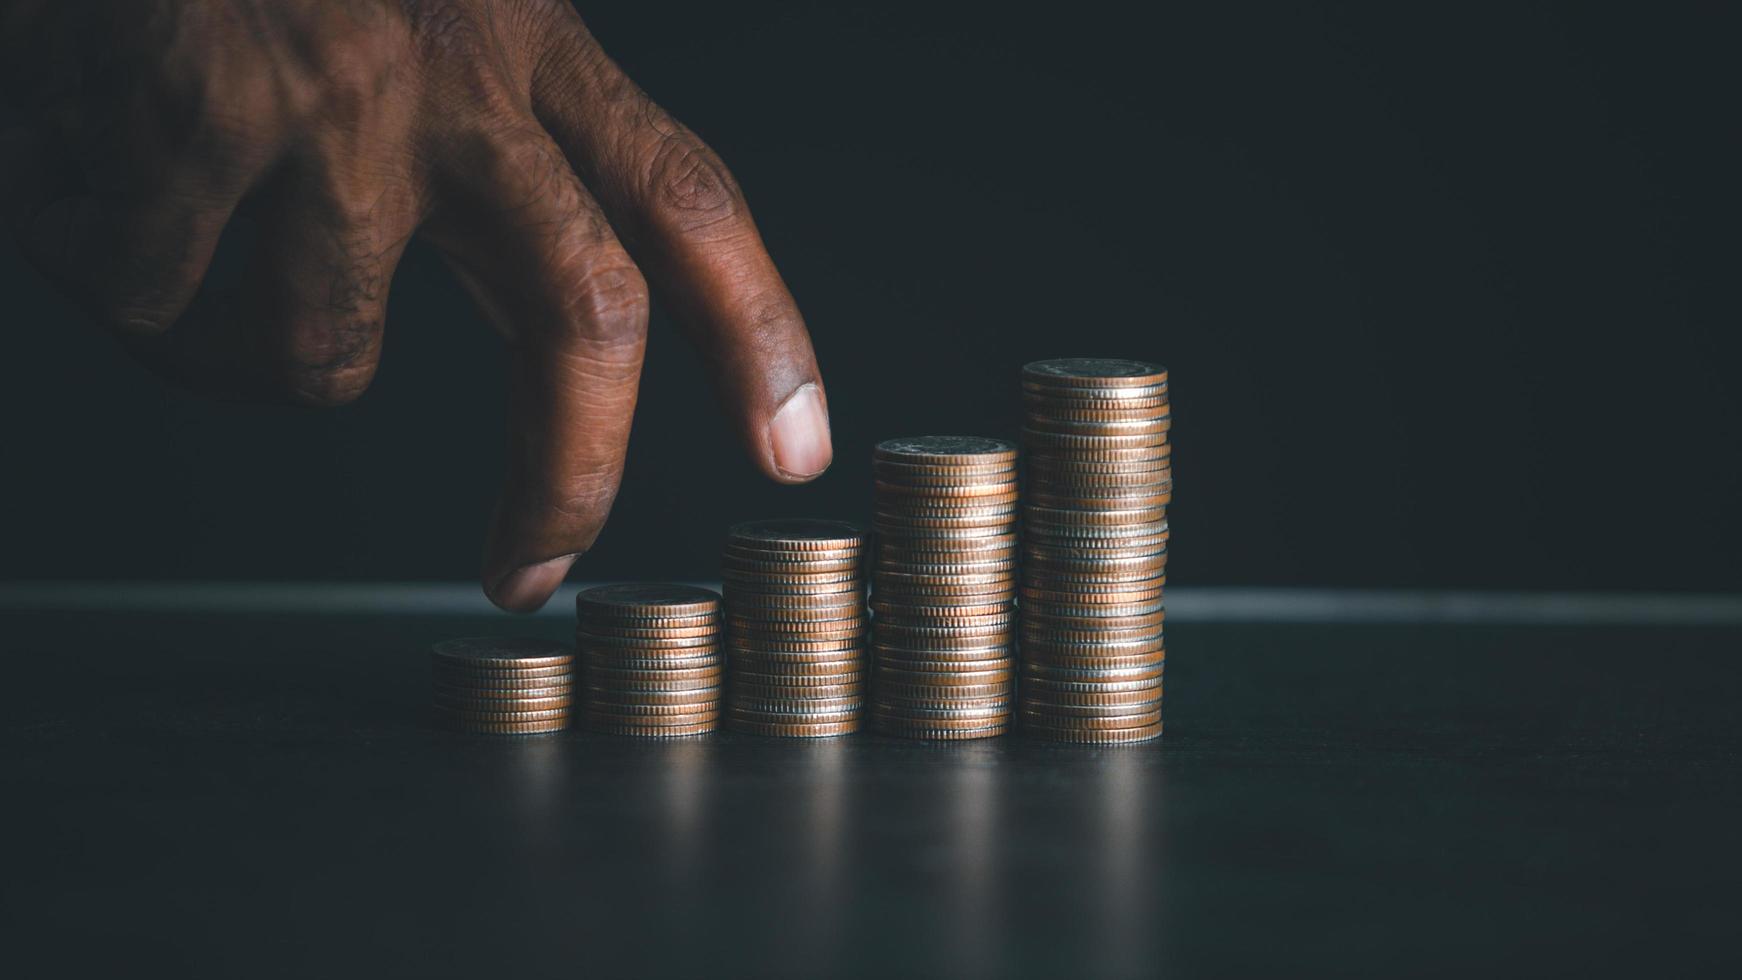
[798, 436]
[528, 588]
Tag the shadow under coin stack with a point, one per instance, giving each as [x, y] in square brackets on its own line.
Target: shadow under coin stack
[943, 584]
[1094, 548]
[795, 627]
[650, 659]
[502, 685]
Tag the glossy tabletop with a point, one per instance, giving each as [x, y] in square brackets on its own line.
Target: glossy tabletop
[254, 796]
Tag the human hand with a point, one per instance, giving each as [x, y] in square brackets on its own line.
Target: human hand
[496, 129]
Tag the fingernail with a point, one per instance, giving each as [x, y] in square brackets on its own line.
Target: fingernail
[799, 434]
[525, 589]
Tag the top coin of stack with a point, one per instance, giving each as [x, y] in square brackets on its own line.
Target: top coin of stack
[1098, 479]
[942, 587]
[650, 659]
[501, 685]
[795, 627]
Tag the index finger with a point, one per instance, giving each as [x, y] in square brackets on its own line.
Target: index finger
[683, 217]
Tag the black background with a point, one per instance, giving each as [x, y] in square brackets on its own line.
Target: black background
[1443, 292]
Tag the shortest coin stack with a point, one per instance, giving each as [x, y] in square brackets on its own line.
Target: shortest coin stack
[650, 659]
[502, 685]
[795, 627]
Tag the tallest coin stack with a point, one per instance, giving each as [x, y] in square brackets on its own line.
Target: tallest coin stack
[1099, 477]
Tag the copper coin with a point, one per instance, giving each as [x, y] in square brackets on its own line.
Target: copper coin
[910, 694]
[646, 600]
[1096, 661]
[1114, 580]
[673, 666]
[1136, 463]
[661, 633]
[773, 709]
[500, 652]
[948, 593]
[1060, 639]
[923, 449]
[921, 733]
[470, 715]
[946, 495]
[627, 674]
[1141, 734]
[500, 705]
[587, 639]
[1048, 615]
[1148, 424]
[943, 660]
[926, 543]
[1051, 672]
[607, 727]
[797, 533]
[923, 480]
[935, 523]
[753, 623]
[794, 729]
[506, 727]
[1041, 441]
[790, 582]
[921, 643]
[891, 673]
[1040, 497]
[798, 643]
[635, 694]
[965, 615]
[749, 691]
[1046, 687]
[501, 693]
[1084, 410]
[1085, 515]
[893, 626]
[895, 723]
[773, 676]
[646, 657]
[1057, 478]
[614, 715]
[1137, 719]
[735, 564]
[1147, 451]
[1003, 501]
[1093, 372]
[1095, 596]
[1053, 702]
[538, 677]
[997, 567]
[789, 668]
[1097, 540]
[1065, 563]
[754, 603]
[778, 646]
[1045, 392]
[1101, 646]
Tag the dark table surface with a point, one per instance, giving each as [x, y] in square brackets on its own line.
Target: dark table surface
[246, 796]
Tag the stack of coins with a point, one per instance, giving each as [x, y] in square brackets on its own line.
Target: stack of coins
[650, 659]
[1094, 548]
[501, 685]
[942, 587]
[795, 627]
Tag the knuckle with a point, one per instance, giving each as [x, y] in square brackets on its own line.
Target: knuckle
[330, 363]
[689, 182]
[605, 301]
